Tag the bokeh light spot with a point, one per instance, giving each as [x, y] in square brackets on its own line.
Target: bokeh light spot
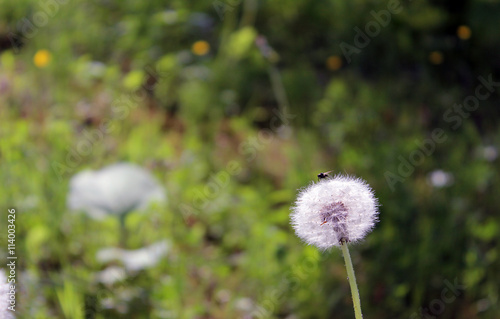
[200, 47]
[464, 32]
[334, 63]
[42, 58]
[436, 57]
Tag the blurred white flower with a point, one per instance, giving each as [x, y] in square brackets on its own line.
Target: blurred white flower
[5, 313]
[440, 178]
[201, 20]
[332, 209]
[223, 296]
[114, 190]
[170, 16]
[490, 153]
[135, 260]
[29, 202]
[245, 304]
[96, 69]
[111, 275]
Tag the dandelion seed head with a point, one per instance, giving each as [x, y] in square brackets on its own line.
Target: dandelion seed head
[342, 207]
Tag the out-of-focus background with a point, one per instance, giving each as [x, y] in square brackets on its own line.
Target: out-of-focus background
[233, 105]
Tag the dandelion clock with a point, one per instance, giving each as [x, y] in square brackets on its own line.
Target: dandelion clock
[333, 212]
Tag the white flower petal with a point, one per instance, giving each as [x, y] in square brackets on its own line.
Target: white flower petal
[138, 259]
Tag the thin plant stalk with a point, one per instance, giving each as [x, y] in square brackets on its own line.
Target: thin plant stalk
[352, 281]
[249, 13]
[278, 88]
[123, 230]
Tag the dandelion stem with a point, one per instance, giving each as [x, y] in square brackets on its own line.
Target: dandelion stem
[352, 281]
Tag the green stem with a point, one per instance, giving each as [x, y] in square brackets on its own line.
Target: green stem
[249, 13]
[278, 88]
[123, 230]
[352, 281]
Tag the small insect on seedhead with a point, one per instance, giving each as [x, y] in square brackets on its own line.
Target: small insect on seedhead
[324, 175]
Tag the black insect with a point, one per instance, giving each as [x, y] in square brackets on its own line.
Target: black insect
[324, 175]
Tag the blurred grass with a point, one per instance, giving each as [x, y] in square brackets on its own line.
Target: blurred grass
[193, 119]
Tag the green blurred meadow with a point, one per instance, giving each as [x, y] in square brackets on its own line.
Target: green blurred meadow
[234, 105]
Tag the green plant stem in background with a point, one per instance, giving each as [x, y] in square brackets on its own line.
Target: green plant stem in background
[278, 88]
[352, 281]
[123, 230]
[249, 13]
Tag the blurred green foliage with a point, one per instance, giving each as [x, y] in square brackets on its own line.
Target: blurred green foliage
[191, 90]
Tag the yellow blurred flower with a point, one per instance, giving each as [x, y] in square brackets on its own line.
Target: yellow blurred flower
[464, 32]
[334, 63]
[436, 57]
[200, 47]
[42, 58]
